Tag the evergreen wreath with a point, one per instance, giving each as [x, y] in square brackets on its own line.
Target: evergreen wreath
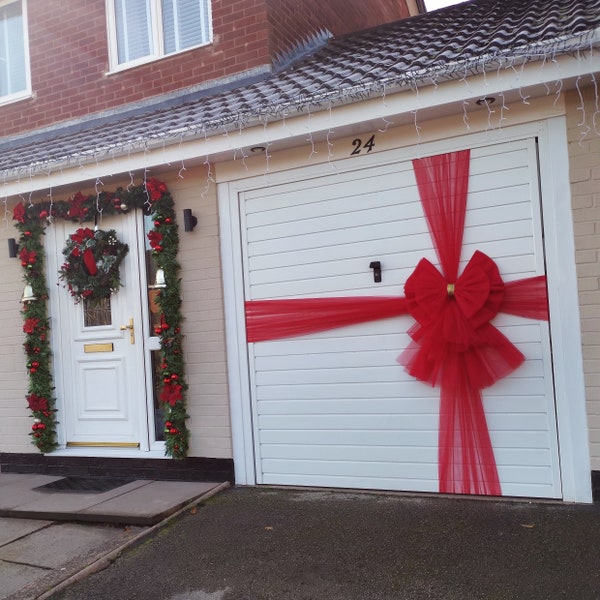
[91, 270]
[154, 199]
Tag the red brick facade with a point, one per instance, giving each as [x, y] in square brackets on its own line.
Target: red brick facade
[69, 57]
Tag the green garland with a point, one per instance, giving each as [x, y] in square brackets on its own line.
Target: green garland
[154, 198]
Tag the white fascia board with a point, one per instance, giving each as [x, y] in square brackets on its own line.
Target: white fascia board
[534, 78]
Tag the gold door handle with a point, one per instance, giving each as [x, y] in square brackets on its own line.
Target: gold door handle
[131, 331]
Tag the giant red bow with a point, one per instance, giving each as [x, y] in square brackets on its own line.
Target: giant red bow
[454, 345]
[454, 318]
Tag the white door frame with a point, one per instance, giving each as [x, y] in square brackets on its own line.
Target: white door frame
[148, 447]
[562, 289]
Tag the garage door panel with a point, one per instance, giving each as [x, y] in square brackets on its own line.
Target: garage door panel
[335, 408]
[385, 374]
[355, 360]
[351, 482]
[362, 215]
[384, 201]
[332, 360]
[355, 468]
[397, 422]
[266, 200]
[354, 406]
[392, 453]
[503, 440]
[347, 233]
[350, 250]
[374, 389]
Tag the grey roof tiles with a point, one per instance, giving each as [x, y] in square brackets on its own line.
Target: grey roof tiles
[445, 44]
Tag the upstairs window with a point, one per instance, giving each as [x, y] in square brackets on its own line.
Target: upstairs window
[144, 30]
[14, 61]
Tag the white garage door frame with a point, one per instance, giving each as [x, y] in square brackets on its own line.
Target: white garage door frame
[562, 287]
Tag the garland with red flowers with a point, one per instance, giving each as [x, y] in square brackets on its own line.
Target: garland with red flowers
[154, 198]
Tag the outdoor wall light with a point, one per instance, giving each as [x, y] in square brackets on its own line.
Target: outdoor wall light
[487, 101]
[13, 248]
[189, 220]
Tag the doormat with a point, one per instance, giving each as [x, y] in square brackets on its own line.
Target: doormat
[84, 485]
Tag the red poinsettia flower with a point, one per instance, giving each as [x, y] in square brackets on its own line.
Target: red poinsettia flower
[76, 209]
[155, 238]
[82, 234]
[19, 213]
[171, 393]
[30, 324]
[37, 402]
[27, 257]
[155, 188]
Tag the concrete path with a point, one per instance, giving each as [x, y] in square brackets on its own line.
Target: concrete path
[262, 544]
[49, 537]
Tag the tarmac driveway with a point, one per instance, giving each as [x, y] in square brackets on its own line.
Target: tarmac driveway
[260, 543]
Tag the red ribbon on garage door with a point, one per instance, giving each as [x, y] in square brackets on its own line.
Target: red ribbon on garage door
[454, 344]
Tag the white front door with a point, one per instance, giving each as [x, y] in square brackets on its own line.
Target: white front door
[99, 351]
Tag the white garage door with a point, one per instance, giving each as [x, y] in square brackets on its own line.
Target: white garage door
[335, 408]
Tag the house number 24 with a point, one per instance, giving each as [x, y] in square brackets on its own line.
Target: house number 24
[361, 147]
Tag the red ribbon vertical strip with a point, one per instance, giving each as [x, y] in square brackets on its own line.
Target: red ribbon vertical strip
[466, 463]
[276, 319]
[443, 181]
[466, 457]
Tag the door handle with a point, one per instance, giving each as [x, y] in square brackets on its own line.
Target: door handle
[131, 331]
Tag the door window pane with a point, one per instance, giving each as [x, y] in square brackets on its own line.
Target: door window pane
[97, 313]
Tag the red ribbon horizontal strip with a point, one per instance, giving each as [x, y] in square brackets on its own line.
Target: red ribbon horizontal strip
[276, 319]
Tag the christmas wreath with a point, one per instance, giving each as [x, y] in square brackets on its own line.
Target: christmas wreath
[154, 199]
[91, 270]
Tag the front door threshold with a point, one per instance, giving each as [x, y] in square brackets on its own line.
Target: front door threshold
[103, 444]
[109, 452]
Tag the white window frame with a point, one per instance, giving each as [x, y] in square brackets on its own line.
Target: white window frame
[157, 41]
[25, 93]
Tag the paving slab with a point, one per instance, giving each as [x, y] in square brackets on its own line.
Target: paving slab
[15, 489]
[14, 577]
[42, 560]
[52, 546]
[13, 529]
[140, 502]
[55, 505]
[149, 504]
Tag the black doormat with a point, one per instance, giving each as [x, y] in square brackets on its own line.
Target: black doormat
[84, 485]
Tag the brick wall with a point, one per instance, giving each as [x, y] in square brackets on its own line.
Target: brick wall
[293, 20]
[584, 161]
[70, 62]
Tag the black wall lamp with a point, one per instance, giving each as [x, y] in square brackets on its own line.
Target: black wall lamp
[13, 248]
[189, 220]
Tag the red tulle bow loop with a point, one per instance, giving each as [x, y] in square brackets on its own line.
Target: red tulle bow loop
[454, 317]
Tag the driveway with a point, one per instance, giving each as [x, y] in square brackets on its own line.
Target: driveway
[259, 544]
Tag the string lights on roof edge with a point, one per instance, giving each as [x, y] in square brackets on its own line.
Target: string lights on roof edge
[582, 44]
